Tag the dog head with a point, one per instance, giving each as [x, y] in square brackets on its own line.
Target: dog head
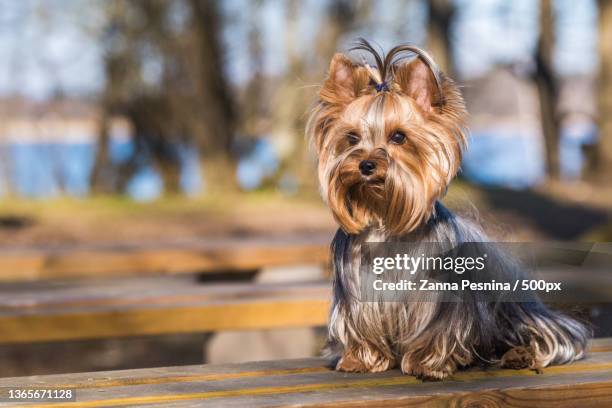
[389, 138]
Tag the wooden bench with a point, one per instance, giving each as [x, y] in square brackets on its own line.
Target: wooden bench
[50, 311]
[206, 256]
[146, 305]
[42, 297]
[310, 382]
[96, 292]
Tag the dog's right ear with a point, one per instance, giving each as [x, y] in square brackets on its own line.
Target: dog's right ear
[417, 80]
[344, 81]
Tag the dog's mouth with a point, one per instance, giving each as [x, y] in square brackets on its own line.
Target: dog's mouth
[366, 187]
[373, 180]
[357, 200]
[356, 180]
[369, 192]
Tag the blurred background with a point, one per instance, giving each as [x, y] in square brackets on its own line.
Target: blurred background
[168, 121]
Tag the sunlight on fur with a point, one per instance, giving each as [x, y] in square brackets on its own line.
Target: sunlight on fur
[389, 136]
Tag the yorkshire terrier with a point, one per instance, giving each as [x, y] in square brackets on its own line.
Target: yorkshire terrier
[389, 139]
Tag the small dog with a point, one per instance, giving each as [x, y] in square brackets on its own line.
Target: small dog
[389, 140]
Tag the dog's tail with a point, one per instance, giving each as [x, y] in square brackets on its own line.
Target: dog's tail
[555, 337]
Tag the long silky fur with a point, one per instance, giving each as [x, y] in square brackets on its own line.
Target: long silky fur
[400, 203]
[441, 336]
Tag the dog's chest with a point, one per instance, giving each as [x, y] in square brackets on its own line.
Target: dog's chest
[356, 245]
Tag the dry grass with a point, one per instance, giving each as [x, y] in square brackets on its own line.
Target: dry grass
[117, 219]
[552, 211]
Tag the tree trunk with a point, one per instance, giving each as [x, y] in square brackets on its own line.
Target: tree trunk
[253, 105]
[217, 113]
[101, 177]
[438, 34]
[548, 87]
[289, 120]
[171, 177]
[604, 161]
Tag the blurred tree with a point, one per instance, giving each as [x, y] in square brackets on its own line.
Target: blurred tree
[605, 90]
[548, 87]
[214, 116]
[441, 13]
[121, 69]
[341, 17]
[285, 123]
[305, 67]
[164, 72]
[137, 51]
[253, 104]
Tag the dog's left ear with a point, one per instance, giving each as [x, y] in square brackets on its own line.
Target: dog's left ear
[344, 81]
[416, 80]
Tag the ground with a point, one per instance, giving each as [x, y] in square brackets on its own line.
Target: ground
[113, 219]
[555, 211]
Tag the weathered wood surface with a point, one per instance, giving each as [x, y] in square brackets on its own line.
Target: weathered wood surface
[310, 382]
[47, 311]
[102, 308]
[29, 264]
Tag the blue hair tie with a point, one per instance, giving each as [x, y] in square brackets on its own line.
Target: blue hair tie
[382, 86]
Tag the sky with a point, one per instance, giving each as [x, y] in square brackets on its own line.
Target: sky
[48, 46]
[489, 32]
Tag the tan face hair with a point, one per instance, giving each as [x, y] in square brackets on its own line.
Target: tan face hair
[389, 139]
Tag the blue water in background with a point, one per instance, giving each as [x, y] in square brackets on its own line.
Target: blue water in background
[504, 159]
[261, 163]
[572, 140]
[40, 170]
[500, 158]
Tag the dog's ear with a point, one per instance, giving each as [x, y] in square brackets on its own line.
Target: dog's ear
[418, 82]
[344, 81]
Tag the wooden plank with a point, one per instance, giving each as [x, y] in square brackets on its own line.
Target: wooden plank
[28, 264]
[310, 382]
[72, 310]
[54, 311]
[210, 372]
[600, 345]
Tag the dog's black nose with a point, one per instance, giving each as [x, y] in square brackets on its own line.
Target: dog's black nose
[367, 167]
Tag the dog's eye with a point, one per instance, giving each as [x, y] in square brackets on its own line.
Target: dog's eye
[398, 137]
[352, 138]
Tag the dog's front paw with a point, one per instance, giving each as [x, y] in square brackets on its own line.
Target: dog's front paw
[372, 362]
[348, 363]
[426, 373]
[521, 357]
[380, 365]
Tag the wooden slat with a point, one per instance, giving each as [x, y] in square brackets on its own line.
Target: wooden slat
[54, 311]
[212, 372]
[30, 264]
[310, 382]
[72, 310]
[600, 345]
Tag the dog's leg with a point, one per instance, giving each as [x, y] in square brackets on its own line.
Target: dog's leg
[434, 357]
[364, 360]
[521, 357]
[420, 366]
[356, 335]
